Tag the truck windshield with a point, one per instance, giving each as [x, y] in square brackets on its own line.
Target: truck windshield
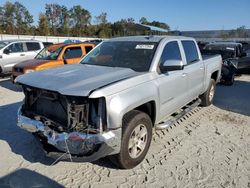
[47, 54]
[3, 44]
[134, 55]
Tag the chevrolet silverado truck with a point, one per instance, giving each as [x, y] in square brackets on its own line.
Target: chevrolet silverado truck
[109, 103]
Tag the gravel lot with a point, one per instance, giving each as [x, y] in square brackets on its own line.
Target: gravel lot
[210, 147]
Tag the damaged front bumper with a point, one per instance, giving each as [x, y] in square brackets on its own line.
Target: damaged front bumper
[74, 146]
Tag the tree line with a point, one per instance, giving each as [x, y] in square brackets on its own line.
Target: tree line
[58, 20]
[240, 32]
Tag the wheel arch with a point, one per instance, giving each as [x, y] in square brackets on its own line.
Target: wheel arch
[215, 75]
[149, 108]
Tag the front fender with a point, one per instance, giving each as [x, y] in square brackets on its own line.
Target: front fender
[121, 103]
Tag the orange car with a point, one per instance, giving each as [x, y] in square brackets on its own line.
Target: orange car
[53, 56]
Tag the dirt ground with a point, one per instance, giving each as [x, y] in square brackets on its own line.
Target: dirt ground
[210, 147]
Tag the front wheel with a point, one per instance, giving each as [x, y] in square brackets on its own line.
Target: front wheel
[136, 139]
[208, 97]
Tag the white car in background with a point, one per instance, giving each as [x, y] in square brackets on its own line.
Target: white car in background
[16, 51]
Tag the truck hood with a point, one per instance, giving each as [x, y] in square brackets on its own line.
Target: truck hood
[75, 80]
[30, 63]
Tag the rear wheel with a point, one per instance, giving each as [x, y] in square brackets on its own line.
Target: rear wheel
[230, 81]
[208, 97]
[136, 139]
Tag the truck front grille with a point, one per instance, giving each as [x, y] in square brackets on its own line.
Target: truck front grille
[59, 112]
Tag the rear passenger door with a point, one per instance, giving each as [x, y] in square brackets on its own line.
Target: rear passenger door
[72, 55]
[32, 49]
[194, 68]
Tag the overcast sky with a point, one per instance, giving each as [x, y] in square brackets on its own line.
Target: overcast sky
[179, 14]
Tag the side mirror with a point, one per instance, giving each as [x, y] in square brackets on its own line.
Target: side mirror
[171, 65]
[6, 51]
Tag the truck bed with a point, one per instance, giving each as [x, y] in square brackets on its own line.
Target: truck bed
[211, 66]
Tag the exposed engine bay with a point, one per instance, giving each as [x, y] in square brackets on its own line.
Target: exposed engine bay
[68, 127]
[65, 113]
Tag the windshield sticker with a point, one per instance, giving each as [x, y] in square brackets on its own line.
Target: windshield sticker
[144, 46]
[228, 48]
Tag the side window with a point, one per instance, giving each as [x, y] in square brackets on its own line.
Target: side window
[73, 52]
[190, 51]
[33, 46]
[171, 52]
[88, 49]
[16, 47]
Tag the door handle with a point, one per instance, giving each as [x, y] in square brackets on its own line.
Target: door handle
[184, 74]
[201, 68]
[22, 54]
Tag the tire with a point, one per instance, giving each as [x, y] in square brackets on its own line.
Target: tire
[208, 96]
[230, 81]
[133, 122]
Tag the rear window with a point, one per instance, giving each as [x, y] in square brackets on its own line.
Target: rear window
[73, 52]
[33, 46]
[190, 51]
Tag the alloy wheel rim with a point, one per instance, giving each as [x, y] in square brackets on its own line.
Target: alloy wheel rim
[137, 141]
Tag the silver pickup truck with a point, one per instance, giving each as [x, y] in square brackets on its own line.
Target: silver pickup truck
[108, 104]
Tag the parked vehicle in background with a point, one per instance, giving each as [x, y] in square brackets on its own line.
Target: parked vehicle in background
[16, 51]
[110, 102]
[248, 52]
[233, 51]
[245, 45]
[202, 44]
[53, 56]
[234, 58]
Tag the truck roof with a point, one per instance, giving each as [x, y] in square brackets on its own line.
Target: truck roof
[150, 38]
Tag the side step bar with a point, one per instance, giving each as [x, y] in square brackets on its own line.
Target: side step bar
[176, 116]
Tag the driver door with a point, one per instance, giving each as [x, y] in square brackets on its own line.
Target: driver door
[173, 85]
[13, 54]
[72, 55]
